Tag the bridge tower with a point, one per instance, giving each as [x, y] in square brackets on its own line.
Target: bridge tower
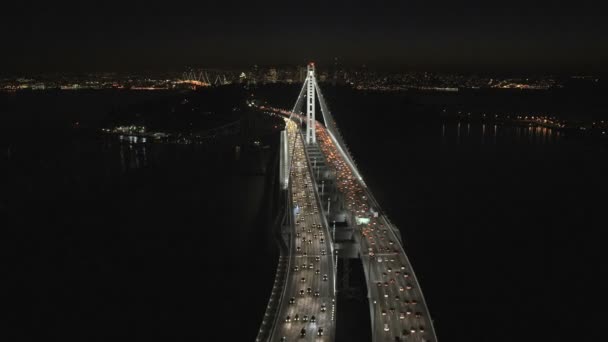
[311, 136]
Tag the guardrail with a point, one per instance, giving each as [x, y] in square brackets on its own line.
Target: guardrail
[290, 248]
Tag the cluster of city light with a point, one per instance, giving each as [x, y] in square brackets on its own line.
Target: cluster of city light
[129, 129]
[539, 119]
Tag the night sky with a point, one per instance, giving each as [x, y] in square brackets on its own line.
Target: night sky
[467, 35]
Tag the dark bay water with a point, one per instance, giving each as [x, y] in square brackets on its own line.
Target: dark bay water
[108, 241]
[503, 224]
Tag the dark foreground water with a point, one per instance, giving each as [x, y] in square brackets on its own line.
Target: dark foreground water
[503, 224]
[108, 241]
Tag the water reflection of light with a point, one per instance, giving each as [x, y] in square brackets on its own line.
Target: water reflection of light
[144, 155]
[136, 158]
[530, 134]
[123, 166]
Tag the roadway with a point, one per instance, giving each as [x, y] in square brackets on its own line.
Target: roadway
[310, 288]
[397, 307]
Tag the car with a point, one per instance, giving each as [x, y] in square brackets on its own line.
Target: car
[325, 277]
[386, 327]
[313, 319]
[379, 284]
[418, 314]
[310, 266]
[413, 302]
[402, 315]
[421, 329]
[397, 298]
[320, 331]
[391, 310]
[317, 258]
[305, 318]
[309, 290]
[296, 317]
[296, 268]
[406, 275]
[305, 254]
[288, 319]
[317, 293]
[323, 307]
[322, 240]
[303, 280]
[408, 311]
[301, 292]
[298, 248]
[408, 286]
[303, 332]
[317, 271]
[283, 339]
[292, 300]
[383, 312]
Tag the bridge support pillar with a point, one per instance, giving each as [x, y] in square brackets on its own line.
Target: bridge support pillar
[311, 134]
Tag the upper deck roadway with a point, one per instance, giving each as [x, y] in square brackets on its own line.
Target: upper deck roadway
[308, 303]
[397, 307]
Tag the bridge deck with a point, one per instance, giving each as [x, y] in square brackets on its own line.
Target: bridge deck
[311, 253]
[397, 305]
